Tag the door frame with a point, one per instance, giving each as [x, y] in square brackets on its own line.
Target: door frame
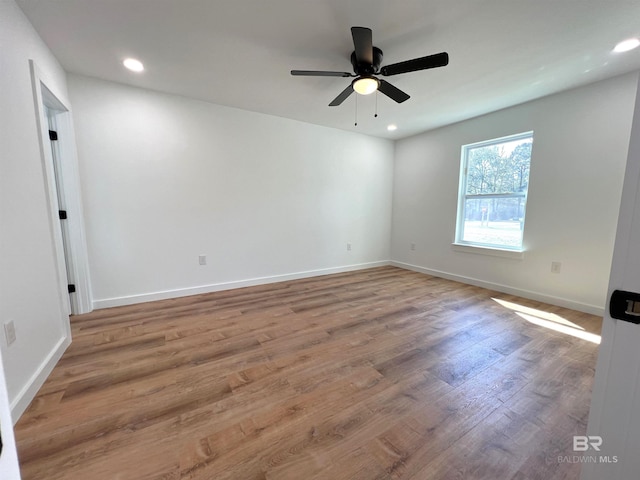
[9, 465]
[45, 96]
[614, 416]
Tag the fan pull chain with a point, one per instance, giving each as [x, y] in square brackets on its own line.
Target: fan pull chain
[356, 122]
[376, 114]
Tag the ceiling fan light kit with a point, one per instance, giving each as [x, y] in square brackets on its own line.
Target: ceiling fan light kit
[365, 85]
[366, 61]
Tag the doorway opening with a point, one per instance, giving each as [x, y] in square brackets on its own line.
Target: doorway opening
[62, 183]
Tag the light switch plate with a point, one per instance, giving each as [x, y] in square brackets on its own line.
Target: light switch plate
[10, 332]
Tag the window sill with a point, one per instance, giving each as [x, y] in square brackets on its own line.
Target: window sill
[494, 252]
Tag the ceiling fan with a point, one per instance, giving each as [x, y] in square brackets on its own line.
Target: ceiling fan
[366, 64]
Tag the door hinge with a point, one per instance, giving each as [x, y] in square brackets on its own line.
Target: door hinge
[62, 214]
[71, 287]
[53, 135]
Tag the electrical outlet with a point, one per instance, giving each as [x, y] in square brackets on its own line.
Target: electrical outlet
[556, 267]
[202, 259]
[412, 246]
[348, 247]
[10, 332]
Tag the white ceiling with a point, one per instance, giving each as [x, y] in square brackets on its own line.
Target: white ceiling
[240, 52]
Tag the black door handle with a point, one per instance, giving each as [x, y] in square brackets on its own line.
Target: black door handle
[625, 306]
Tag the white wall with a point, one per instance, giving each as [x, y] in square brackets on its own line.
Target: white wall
[29, 287]
[265, 198]
[580, 147]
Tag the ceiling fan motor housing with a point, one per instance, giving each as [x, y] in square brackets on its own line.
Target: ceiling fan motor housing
[362, 68]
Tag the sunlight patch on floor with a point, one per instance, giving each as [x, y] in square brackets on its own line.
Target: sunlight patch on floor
[549, 320]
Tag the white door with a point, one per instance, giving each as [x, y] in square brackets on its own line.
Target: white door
[613, 450]
[9, 469]
[62, 209]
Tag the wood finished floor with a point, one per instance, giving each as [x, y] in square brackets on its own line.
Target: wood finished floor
[376, 374]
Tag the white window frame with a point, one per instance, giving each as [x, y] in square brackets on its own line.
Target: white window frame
[477, 247]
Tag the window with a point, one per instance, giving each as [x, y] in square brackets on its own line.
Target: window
[494, 178]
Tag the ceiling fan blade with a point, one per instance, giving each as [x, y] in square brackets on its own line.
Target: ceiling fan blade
[422, 63]
[363, 43]
[392, 92]
[320, 73]
[342, 97]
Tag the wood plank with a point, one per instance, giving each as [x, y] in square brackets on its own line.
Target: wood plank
[376, 374]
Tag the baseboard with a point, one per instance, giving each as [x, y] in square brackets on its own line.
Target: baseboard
[540, 297]
[216, 287]
[29, 391]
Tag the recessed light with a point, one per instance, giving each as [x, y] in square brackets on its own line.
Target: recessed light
[392, 127]
[626, 45]
[133, 64]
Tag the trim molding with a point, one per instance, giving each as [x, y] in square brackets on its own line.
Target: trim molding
[494, 252]
[29, 391]
[541, 297]
[216, 287]
[75, 260]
